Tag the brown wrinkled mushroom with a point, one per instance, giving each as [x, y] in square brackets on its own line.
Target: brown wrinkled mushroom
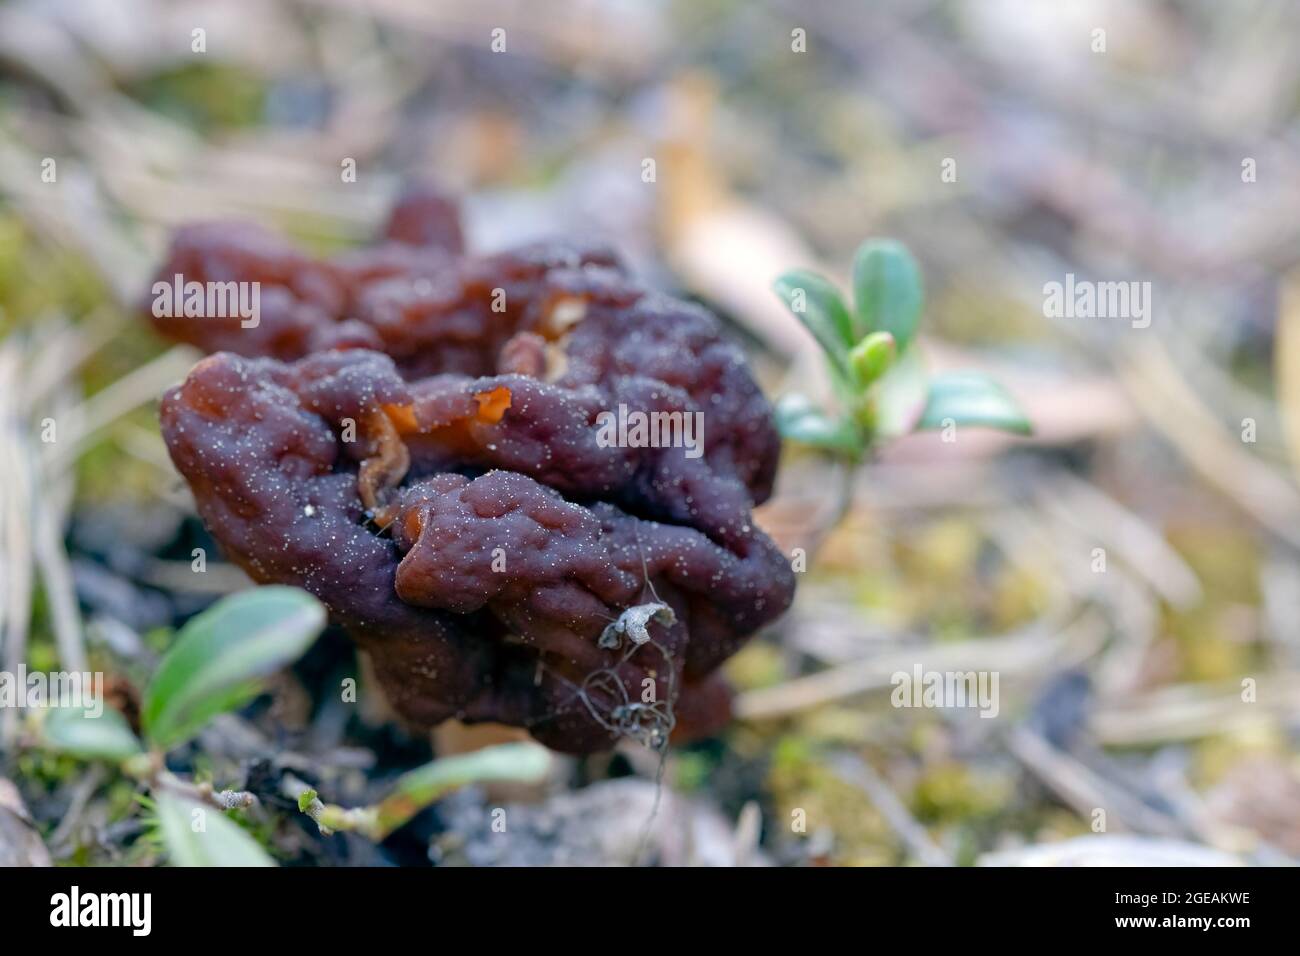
[456, 502]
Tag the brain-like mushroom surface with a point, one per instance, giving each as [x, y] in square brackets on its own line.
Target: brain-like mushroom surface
[438, 446]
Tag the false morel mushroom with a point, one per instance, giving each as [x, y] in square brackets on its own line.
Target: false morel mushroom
[421, 438]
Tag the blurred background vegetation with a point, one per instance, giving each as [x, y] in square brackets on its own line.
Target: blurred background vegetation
[1173, 448]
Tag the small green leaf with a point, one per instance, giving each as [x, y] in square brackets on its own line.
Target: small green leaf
[871, 358]
[305, 798]
[220, 658]
[886, 291]
[816, 303]
[99, 733]
[969, 398]
[522, 762]
[798, 419]
[199, 835]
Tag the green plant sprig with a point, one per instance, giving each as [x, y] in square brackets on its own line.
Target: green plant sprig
[880, 380]
[520, 762]
[219, 661]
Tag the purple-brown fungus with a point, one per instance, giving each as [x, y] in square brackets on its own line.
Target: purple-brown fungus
[522, 482]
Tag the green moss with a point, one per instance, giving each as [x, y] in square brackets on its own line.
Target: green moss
[952, 792]
[207, 96]
[1217, 638]
[105, 472]
[691, 771]
[37, 279]
[807, 793]
[158, 639]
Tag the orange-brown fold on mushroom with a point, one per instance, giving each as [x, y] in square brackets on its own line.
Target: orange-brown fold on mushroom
[402, 417]
[384, 470]
[492, 404]
[386, 428]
